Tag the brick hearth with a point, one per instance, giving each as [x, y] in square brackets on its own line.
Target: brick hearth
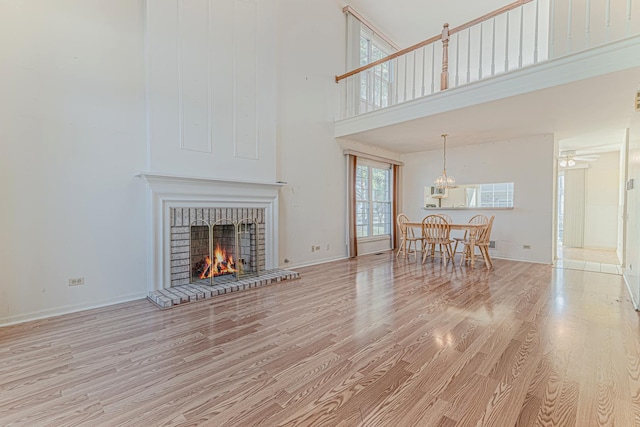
[181, 294]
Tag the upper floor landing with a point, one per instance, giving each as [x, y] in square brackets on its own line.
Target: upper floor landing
[510, 73]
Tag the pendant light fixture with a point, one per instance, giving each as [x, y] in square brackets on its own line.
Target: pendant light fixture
[566, 159]
[444, 181]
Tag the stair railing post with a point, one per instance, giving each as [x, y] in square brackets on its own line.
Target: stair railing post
[444, 77]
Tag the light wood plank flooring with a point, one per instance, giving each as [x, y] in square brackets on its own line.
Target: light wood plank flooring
[373, 341]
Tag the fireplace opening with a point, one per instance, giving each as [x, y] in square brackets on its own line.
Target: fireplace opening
[224, 248]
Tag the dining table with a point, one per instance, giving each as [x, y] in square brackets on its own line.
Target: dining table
[473, 232]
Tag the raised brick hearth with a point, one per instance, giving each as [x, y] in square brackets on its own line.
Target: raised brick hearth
[176, 295]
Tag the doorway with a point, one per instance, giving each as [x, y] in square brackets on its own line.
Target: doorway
[587, 214]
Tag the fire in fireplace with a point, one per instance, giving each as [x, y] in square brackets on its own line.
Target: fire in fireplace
[220, 265]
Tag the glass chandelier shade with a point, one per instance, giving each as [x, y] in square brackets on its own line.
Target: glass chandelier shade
[567, 162]
[444, 181]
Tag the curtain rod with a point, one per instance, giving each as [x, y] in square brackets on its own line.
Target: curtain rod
[372, 157]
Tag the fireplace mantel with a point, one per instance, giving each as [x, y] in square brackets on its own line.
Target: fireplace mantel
[168, 191]
[163, 178]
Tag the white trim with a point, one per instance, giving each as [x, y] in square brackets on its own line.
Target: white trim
[377, 252]
[636, 304]
[361, 155]
[379, 237]
[312, 263]
[522, 260]
[167, 177]
[69, 309]
[371, 27]
[171, 191]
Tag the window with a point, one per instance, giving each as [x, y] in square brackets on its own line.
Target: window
[376, 82]
[496, 195]
[373, 200]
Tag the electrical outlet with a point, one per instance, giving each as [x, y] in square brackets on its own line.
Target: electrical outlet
[328, 247]
[492, 244]
[317, 248]
[526, 246]
[77, 281]
[313, 248]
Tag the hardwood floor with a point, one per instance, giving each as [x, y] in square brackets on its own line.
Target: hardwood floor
[376, 341]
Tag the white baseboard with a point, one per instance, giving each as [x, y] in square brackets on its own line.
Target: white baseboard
[58, 311]
[636, 304]
[519, 260]
[309, 264]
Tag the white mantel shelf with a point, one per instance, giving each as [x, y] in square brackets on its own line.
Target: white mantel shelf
[165, 177]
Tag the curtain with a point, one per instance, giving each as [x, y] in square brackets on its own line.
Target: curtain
[574, 207]
[351, 203]
[395, 205]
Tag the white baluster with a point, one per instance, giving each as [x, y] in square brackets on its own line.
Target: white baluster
[587, 25]
[521, 36]
[395, 60]
[607, 20]
[480, 67]
[424, 67]
[405, 78]
[535, 47]
[628, 28]
[468, 55]
[493, 46]
[457, 56]
[506, 47]
[433, 67]
[569, 23]
[367, 98]
[552, 32]
[414, 75]
[381, 85]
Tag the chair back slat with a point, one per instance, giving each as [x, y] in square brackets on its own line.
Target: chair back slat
[485, 233]
[435, 228]
[402, 221]
[476, 219]
[447, 217]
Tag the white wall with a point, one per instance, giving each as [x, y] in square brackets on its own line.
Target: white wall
[212, 93]
[72, 135]
[601, 202]
[633, 214]
[622, 201]
[528, 162]
[312, 206]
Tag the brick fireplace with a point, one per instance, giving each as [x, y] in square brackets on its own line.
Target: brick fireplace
[234, 236]
[182, 208]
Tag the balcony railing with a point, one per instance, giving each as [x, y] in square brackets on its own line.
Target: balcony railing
[517, 35]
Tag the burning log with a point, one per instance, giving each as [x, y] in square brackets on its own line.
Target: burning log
[207, 268]
[221, 264]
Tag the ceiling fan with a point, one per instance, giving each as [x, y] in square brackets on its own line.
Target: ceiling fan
[568, 158]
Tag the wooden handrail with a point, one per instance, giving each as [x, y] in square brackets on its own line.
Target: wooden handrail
[434, 39]
[388, 58]
[490, 15]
